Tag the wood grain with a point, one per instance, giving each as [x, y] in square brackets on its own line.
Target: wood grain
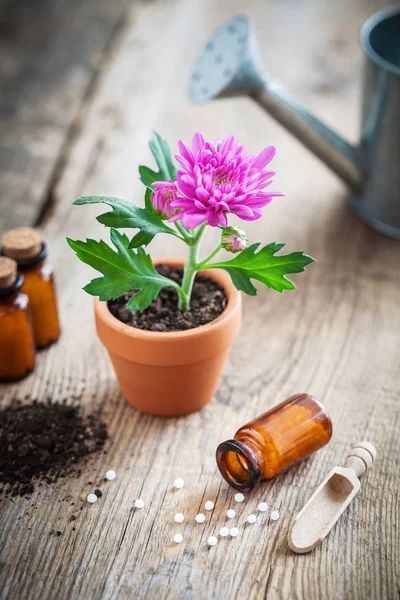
[52, 52]
[335, 337]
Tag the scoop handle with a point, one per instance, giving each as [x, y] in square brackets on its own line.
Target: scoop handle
[360, 458]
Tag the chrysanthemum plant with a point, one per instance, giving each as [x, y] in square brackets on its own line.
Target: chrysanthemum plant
[214, 182]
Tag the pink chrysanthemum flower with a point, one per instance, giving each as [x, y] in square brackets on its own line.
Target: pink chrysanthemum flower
[221, 179]
[162, 198]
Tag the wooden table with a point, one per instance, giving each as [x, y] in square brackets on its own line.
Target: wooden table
[336, 337]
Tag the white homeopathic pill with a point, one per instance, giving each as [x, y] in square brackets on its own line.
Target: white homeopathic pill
[179, 518]
[230, 513]
[234, 532]
[92, 498]
[200, 518]
[209, 505]
[251, 519]
[110, 475]
[139, 503]
[224, 531]
[178, 538]
[274, 515]
[239, 497]
[262, 507]
[212, 540]
[179, 483]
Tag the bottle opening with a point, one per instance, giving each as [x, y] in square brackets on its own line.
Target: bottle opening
[238, 465]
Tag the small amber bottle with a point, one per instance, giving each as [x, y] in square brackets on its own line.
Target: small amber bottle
[274, 442]
[17, 352]
[25, 245]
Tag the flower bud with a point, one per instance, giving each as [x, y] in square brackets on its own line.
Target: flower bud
[163, 197]
[233, 239]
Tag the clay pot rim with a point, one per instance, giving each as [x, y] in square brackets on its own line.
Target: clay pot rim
[219, 275]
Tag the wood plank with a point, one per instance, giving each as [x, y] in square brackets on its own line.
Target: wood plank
[51, 52]
[335, 337]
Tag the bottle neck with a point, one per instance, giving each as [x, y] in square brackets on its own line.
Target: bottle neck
[6, 292]
[27, 264]
[241, 464]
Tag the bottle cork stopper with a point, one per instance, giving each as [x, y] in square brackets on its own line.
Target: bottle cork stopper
[8, 271]
[22, 242]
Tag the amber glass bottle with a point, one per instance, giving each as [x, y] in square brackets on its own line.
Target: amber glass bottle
[26, 247]
[274, 442]
[17, 352]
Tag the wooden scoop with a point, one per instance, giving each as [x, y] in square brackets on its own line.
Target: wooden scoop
[330, 500]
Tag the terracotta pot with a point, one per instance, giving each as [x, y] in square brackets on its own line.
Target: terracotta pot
[171, 373]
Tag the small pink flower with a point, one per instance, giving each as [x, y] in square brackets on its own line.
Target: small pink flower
[162, 198]
[234, 239]
[221, 179]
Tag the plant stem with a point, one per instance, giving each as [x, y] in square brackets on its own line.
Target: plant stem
[190, 270]
[188, 278]
[187, 236]
[209, 257]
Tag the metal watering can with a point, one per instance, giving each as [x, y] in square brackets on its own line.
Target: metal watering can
[230, 65]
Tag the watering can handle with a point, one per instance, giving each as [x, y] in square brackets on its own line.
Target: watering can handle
[339, 155]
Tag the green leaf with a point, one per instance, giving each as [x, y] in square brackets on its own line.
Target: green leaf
[265, 267]
[148, 176]
[165, 162]
[147, 200]
[141, 239]
[126, 214]
[122, 269]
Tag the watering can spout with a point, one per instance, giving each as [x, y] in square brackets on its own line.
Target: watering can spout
[230, 65]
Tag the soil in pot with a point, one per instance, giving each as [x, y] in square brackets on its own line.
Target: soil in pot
[207, 303]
